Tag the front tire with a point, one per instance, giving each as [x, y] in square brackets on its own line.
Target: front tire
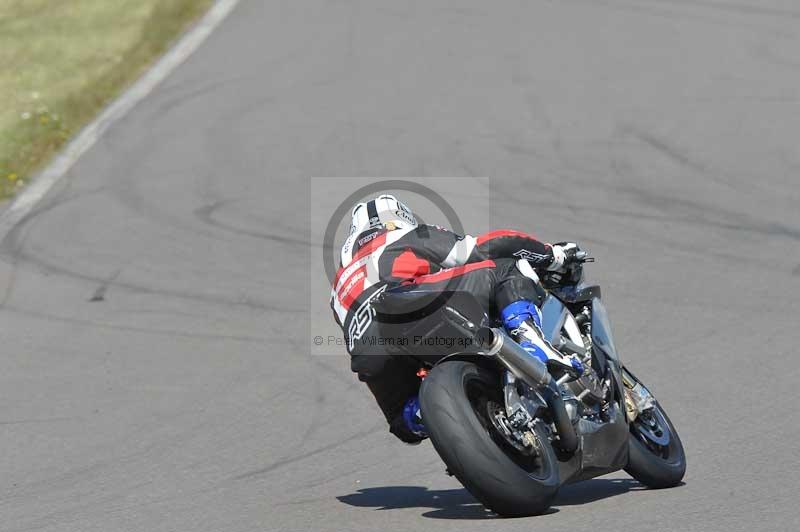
[457, 401]
[655, 465]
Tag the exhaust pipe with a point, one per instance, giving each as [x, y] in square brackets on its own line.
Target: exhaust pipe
[495, 342]
[567, 438]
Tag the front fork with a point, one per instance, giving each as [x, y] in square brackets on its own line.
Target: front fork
[637, 397]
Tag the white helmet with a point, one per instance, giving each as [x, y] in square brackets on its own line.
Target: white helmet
[384, 213]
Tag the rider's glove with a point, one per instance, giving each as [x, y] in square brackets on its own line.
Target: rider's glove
[563, 254]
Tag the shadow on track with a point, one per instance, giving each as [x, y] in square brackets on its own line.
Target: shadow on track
[459, 504]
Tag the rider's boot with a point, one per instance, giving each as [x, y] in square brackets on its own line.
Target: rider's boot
[523, 321]
[412, 418]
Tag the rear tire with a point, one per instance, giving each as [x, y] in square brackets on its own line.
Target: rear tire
[454, 399]
[653, 465]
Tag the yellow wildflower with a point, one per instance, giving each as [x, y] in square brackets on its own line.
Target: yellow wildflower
[12, 177]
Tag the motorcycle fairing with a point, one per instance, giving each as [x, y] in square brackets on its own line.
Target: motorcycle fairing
[603, 448]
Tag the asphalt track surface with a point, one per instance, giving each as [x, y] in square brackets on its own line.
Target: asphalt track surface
[156, 373]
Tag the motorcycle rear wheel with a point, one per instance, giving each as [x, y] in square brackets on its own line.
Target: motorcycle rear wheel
[458, 400]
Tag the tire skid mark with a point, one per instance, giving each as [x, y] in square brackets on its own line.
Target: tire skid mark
[100, 293]
[163, 332]
[298, 458]
[676, 155]
[143, 289]
[697, 213]
[13, 246]
[206, 215]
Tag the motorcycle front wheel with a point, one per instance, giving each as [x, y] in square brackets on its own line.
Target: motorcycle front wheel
[460, 404]
[655, 453]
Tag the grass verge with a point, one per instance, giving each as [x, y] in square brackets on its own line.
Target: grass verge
[64, 61]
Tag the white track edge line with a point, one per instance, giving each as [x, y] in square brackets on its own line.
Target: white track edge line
[41, 184]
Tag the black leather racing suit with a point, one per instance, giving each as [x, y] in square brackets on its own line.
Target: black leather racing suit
[431, 258]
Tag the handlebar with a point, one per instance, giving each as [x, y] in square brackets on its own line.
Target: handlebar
[571, 272]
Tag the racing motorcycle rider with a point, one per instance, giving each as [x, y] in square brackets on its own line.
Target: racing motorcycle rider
[387, 247]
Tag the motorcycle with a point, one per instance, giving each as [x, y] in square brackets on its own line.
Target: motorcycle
[510, 431]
